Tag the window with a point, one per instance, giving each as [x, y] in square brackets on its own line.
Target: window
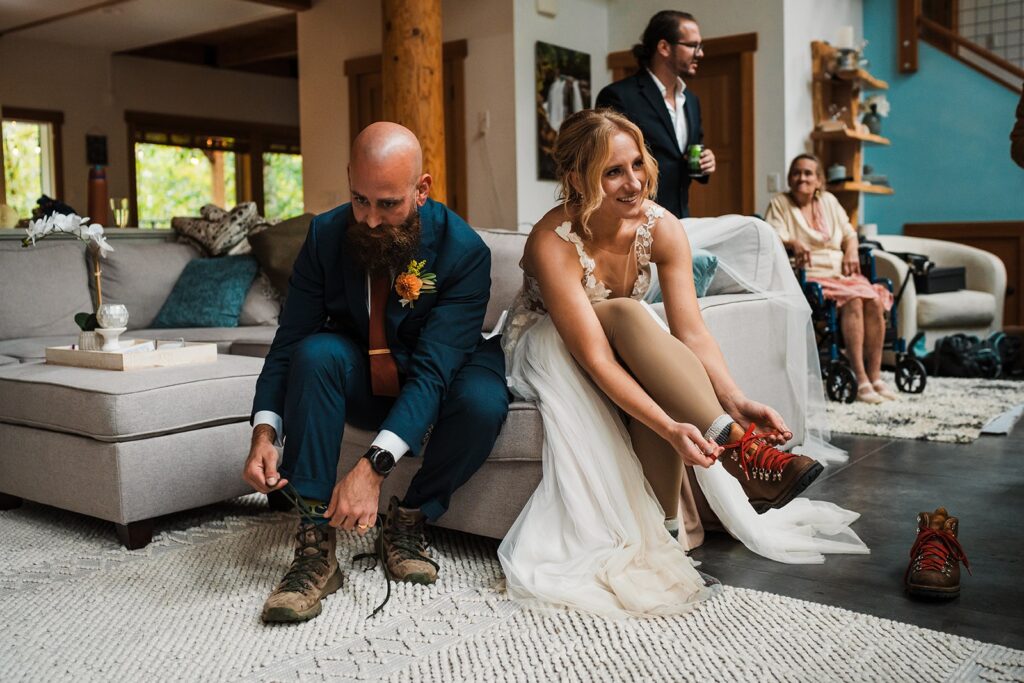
[282, 183]
[179, 164]
[177, 179]
[31, 158]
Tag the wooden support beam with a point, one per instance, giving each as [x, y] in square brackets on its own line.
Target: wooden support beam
[281, 43]
[294, 5]
[412, 76]
[906, 34]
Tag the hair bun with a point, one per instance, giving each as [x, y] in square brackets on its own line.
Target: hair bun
[641, 53]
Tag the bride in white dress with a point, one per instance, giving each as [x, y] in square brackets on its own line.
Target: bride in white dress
[601, 364]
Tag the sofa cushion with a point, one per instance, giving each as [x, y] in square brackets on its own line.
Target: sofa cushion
[209, 293]
[506, 275]
[142, 274]
[118, 406]
[964, 308]
[277, 247]
[262, 304]
[44, 287]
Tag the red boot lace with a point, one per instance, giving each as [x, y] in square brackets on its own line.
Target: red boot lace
[762, 458]
[934, 549]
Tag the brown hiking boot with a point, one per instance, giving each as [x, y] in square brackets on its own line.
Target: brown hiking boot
[934, 570]
[405, 545]
[770, 477]
[314, 575]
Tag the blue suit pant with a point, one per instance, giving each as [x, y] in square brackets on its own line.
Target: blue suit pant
[329, 385]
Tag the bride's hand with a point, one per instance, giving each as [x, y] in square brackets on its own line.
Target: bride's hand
[691, 445]
[745, 411]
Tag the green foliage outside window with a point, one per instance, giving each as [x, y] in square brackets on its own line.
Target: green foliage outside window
[23, 165]
[282, 185]
[177, 181]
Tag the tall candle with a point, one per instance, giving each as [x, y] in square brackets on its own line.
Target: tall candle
[844, 37]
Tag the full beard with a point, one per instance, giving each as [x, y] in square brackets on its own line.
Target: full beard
[386, 249]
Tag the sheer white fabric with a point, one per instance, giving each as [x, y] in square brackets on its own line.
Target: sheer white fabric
[592, 535]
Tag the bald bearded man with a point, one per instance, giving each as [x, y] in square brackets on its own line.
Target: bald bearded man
[381, 329]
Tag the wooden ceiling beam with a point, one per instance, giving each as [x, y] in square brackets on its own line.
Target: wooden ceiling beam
[293, 5]
[63, 15]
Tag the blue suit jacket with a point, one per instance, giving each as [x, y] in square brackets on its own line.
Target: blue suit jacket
[429, 342]
[638, 98]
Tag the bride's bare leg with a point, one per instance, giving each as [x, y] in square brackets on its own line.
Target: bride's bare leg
[674, 377]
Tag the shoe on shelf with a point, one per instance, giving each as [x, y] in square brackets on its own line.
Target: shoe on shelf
[313, 575]
[405, 545]
[771, 478]
[883, 390]
[866, 394]
[934, 569]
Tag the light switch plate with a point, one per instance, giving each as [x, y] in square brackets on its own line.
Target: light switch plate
[548, 8]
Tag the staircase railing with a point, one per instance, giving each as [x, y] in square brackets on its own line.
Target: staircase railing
[913, 25]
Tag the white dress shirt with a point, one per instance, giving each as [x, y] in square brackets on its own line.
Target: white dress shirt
[385, 439]
[676, 112]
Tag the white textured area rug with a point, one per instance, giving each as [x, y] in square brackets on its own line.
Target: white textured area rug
[78, 608]
[950, 409]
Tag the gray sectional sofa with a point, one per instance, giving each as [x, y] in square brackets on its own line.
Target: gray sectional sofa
[130, 447]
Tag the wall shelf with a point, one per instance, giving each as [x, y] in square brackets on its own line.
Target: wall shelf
[848, 134]
[836, 96]
[851, 186]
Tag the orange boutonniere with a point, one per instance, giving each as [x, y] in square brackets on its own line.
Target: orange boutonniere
[414, 282]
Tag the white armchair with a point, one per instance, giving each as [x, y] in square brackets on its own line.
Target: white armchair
[976, 310]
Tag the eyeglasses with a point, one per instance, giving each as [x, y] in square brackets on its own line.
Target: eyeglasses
[696, 47]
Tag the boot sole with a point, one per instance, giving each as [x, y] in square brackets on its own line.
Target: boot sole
[933, 593]
[285, 615]
[805, 480]
[421, 579]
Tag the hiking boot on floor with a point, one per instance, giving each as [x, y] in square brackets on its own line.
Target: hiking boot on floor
[934, 570]
[770, 477]
[314, 575]
[405, 545]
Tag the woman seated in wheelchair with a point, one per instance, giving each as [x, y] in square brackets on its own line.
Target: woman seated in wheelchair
[814, 226]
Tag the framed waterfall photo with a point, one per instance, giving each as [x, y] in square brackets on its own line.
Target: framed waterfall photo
[562, 87]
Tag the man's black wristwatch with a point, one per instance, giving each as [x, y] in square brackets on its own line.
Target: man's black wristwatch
[381, 461]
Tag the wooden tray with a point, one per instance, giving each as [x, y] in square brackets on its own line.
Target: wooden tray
[193, 353]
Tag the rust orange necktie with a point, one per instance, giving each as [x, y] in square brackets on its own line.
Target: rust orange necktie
[383, 370]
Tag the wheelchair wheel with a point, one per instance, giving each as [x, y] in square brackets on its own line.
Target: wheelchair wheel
[840, 383]
[911, 376]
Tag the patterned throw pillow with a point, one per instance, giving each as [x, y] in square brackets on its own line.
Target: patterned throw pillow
[209, 293]
[218, 237]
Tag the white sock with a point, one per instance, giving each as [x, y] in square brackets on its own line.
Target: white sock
[673, 526]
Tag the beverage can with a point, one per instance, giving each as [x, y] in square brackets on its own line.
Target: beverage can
[693, 153]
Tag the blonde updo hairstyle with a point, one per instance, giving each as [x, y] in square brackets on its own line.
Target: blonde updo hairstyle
[580, 154]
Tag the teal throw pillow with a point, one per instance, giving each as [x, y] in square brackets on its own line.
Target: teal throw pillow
[705, 264]
[209, 293]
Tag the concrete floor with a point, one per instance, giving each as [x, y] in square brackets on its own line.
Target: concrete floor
[889, 481]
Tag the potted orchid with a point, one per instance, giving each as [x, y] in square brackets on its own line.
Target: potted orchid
[78, 227]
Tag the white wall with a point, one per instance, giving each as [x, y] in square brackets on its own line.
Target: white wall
[93, 89]
[333, 32]
[805, 21]
[581, 25]
[728, 17]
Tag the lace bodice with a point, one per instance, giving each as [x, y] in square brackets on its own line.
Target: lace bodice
[528, 305]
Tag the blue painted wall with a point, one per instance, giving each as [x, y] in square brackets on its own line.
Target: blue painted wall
[950, 132]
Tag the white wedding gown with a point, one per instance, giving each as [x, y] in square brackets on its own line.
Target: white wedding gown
[592, 535]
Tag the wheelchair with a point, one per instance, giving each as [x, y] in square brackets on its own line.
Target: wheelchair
[840, 380]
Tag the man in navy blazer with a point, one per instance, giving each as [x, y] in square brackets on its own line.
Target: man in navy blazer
[381, 329]
[656, 100]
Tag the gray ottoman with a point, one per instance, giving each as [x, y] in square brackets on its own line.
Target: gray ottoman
[125, 446]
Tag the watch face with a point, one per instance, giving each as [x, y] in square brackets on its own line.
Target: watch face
[383, 462]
